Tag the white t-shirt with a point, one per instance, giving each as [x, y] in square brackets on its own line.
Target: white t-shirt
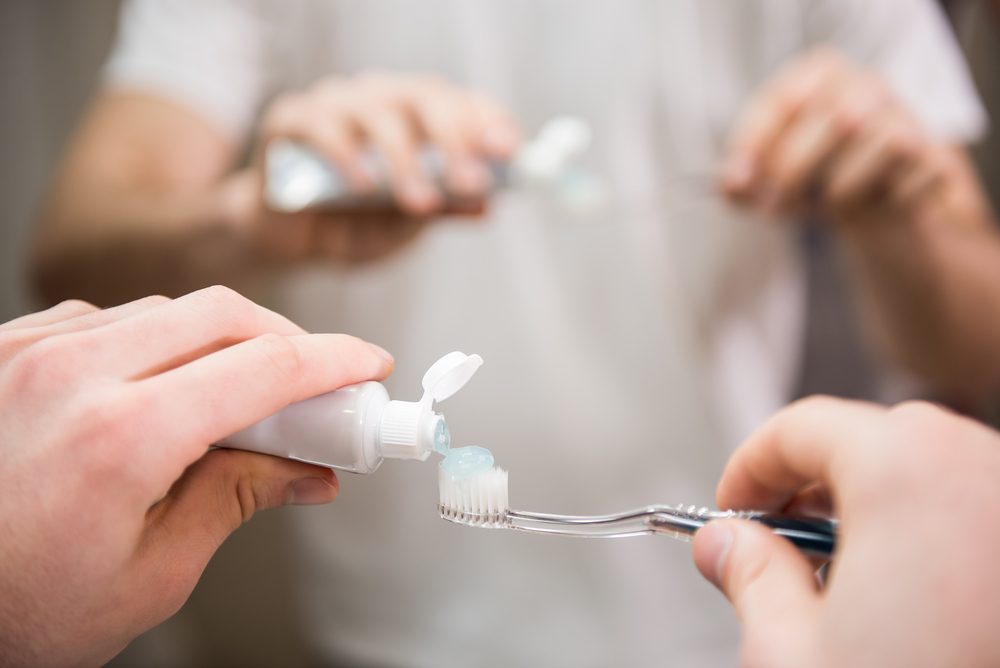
[625, 353]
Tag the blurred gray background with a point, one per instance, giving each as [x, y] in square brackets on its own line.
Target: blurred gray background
[50, 54]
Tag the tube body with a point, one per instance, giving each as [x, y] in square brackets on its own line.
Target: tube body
[339, 430]
[299, 178]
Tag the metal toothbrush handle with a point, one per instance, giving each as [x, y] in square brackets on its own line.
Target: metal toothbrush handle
[813, 536]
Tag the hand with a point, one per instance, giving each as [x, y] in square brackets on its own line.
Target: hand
[914, 580]
[396, 116]
[826, 132]
[111, 504]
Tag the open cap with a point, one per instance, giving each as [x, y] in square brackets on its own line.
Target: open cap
[411, 429]
[560, 143]
[449, 375]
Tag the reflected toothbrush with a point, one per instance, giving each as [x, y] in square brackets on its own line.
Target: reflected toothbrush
[482, 501]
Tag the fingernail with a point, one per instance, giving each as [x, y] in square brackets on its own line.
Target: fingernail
[383, 353]
[310, 492]
[720, 541]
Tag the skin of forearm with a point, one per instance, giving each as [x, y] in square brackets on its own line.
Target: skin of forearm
[109, 244]
[928, 281]
[141, 204]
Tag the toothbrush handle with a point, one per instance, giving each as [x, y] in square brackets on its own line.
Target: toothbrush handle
[815, 537]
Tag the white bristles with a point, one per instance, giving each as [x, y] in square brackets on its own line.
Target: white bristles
[479, 501]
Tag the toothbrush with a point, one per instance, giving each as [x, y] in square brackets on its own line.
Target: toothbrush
[481, 501]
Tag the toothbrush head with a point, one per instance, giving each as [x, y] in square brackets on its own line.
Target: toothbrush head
[478, 501]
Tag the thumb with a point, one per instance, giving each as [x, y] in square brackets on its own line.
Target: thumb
[217, 494]
[770, 584]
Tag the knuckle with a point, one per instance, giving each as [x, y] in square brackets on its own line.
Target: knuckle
[874, 85]
[785, 101]
[330, 84]
[332, 139]
[103, 419]
[246, 497]
[283, 113]
[431, 82]
[155, 300]
[46, 365]
[221, 298]
[827, 57]
[77, 306]
[912, 422]
[815, 403]
[746, 570]
[227, 310]
[785, 172]
[108, 424]
[13, 341]
[349, 347]
[151, 301]
[904, 143]
[917, 413]
[374, 79]
[237, 499]
[370, 74]
[280, 355]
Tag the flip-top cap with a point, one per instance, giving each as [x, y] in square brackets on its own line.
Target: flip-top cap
[411, 429]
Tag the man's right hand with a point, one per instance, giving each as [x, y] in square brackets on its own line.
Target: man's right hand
[914, 581]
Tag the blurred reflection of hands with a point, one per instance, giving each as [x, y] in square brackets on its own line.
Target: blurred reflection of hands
[396, 116]
[825, 131]
[914, 580]
[111, 503]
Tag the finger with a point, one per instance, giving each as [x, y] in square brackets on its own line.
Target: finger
[916, 182]
[497, 133]
[445, 121]
[337, 134]
[770, 584]
[215, 396]
[334, 134]
[800, 446]
[815, 140]
[217, 494]
[813, 501]
[870, 164]
[320, 119]
[14, 340]
[770, 113]
[65, 310]
[392, 136]
[180, 330]
[797, 159]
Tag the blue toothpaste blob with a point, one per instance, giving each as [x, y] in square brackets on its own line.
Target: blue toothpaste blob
[464, 463]
[442, 438]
